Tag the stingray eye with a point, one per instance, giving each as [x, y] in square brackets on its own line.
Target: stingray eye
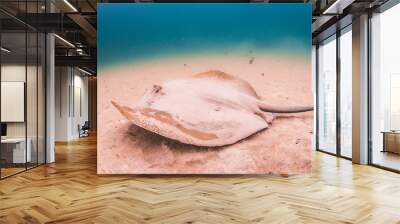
[156, 88]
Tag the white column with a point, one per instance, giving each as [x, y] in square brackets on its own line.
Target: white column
[314, 91]
[50, 99]
[360, 90]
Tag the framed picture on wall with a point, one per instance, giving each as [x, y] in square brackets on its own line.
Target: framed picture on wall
[204, 88]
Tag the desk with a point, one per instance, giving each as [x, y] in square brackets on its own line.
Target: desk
[391, 141]
[15, 148]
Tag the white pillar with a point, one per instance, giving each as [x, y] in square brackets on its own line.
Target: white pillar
[314, 91]
[360, 90]
[50, 99]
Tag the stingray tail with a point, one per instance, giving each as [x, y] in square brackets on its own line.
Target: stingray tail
[283, 109]
[116, 105]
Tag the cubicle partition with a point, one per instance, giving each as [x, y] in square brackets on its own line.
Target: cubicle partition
[22, 77]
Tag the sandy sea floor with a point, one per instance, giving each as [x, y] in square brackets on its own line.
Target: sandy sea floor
[283, 148]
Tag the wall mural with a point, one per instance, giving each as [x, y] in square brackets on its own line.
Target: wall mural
[204, 88]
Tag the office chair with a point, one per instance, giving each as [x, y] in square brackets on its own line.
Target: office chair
[84, 130]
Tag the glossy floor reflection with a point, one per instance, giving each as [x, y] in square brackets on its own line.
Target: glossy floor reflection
[70, 191]
[387, 159]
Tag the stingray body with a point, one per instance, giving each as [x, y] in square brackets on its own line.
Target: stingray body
[207, 109]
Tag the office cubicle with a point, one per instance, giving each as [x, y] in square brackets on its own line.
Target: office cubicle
[22, 77]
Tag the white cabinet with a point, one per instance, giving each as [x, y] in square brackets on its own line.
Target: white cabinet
[19, 155]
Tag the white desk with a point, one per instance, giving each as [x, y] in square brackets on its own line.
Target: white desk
[18, 145]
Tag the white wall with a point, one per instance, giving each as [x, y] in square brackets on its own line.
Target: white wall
[71, 94]
[80, 110]
[33, 127]
[12, 73]
[62, 82]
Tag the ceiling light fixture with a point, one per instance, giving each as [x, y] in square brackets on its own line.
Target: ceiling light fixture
[84, 71]
[79, 51]
[337, 7]
[65, 41]
[70, 5]
[5, 50]
[333, 6]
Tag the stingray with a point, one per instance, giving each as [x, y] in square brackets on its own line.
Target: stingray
[208, 109]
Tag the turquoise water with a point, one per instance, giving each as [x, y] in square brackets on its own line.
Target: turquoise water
[129, 33]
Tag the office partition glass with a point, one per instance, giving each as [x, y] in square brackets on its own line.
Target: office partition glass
[327, 95]
[346, 92]
[22, 77]
[385, 89]
[15, 151]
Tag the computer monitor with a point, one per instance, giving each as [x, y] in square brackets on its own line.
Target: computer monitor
[3, 129]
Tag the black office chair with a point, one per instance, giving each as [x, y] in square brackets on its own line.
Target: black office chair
[84, 130]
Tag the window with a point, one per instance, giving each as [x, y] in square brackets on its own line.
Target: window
[385, 89]
[327, 95]
[346, 92]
